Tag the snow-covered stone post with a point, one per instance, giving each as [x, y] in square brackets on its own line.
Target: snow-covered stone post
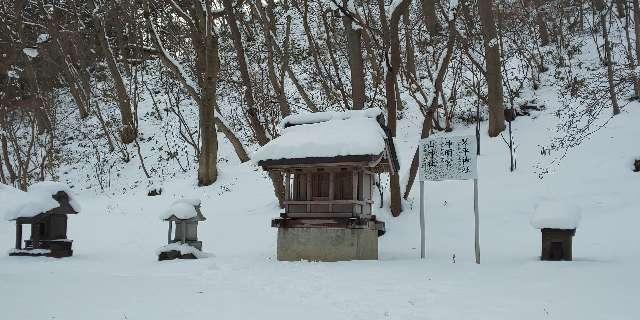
[557, 223]
[186, 214]
[449, 158]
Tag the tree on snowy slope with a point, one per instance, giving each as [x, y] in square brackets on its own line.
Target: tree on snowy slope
[493, 67]
[354, 49]
[393, 67]
[200, 21]
[27, 131]
[129, 131]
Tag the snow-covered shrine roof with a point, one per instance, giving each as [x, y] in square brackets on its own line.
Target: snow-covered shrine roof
[320, 136]
[555, 215]
[183, 209]
[38, 199]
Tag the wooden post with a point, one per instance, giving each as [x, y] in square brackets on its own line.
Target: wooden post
[477, 219]
[308, 177]
[287, 191]
[354, 191]
[422, 226]
[169, 234]
[332, 181]
[18, 235]
[184, 232]
[287, 186]
[35, 237]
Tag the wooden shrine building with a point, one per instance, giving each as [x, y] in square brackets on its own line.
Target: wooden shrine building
[329, 161]
[48, 227]
[183, 243]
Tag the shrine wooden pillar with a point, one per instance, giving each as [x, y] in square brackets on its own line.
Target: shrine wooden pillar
[18, 235]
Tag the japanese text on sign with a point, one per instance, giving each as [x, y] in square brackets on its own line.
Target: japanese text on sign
[448, 158]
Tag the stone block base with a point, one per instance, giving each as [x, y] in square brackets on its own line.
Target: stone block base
[175, 254]
[42, 253]
[48, 248]
[327, 244]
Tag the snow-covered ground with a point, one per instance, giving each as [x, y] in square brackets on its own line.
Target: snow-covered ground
[114, 273]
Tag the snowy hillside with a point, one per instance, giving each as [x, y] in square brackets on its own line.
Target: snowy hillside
[120, 109]
[114, 273]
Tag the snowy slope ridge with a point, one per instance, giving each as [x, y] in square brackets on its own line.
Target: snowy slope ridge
[114, 273]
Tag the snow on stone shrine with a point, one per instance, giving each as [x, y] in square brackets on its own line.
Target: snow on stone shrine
[46, 211]
[329, 161]
[185, 214]
[557, 223]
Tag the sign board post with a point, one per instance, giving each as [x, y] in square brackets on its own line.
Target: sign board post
[449, 158]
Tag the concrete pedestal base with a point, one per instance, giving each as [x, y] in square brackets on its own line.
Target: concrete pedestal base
[327, 244]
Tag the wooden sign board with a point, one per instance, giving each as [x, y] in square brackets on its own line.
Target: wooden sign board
[448, 158]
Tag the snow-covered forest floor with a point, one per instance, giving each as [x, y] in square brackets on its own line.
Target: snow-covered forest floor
[114, 273]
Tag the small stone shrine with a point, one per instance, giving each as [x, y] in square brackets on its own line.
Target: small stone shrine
[45, 207]
[558, 225]
[183, 243]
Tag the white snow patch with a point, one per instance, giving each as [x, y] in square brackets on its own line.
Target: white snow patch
[555, 215]
[31, 52]
[43, 37]
[493, 42]
[36, 200]
[32, 251]
[182, 209]
[13, 74]
[315, 117]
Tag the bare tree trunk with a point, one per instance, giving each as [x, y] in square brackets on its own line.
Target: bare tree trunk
[608, 62]
[427, 123]
[80, 92]
[410, 52]
[636, 29]
[129, 129]
[493, 66]
[620, 8]
[413, 170]
[393, 66]
[208, 157]
[207, 67]
[252, 110]
[313, 47]
[542, 25]
[235, 142]
[429, 16]
[354, 48]
[334, 63]
[268, 24]
[630, 55]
